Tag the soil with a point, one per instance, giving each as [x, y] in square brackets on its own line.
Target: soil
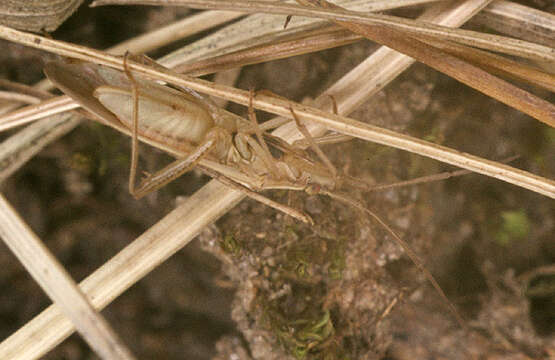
[259, 285]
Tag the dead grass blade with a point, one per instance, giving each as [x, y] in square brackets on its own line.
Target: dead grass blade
[387, 34]
[131, 264]
[496, 64]
[189, 26]
[519, 21]
[300, 43]
[12, 96]
[58, 284]
[329, 37]
[458, 69]
[24, 89]
[31, 113]
[259, 29]
[497, 43]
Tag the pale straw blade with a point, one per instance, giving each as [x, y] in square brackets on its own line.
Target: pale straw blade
[58, 285]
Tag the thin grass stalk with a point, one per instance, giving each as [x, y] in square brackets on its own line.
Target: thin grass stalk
[257, 30]
[496, 64]
[453, 66]
[510, 18]
[32, 113]
[12, 96]
[299, 44]
[501, 44]
[390, 31]
[181, 29]
[24, 89]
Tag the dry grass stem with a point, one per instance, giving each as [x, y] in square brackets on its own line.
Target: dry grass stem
[501, 44]
[151, 249]
[179, 30]
[227, 77]
[24, 89]
[31, 113]
[428, 54]
[256, 30]
[59, 285]
[454, 67]
[298, 44]
[329, 37]
[18, 97]
[519, 21]
[497, 65]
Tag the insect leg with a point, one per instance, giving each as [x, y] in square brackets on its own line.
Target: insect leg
[175, 169]
[328, 139]
[135, 129]
[260, 198]
[406, 247]
[265, 152]
[313, 144]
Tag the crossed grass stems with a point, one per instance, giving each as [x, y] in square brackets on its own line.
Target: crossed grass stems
[161, 258]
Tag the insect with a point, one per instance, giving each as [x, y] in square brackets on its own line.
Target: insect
[190, 123]
[186, 122]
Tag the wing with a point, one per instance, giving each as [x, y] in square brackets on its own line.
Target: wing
[79, 80]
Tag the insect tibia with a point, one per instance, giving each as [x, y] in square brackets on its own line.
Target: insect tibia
[309, 172]
[180, 166]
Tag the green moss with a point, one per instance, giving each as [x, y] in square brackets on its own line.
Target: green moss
[299, 262]
[82, 162]
[550, 134]
[305, 337]
[300, 320]
[515, 225]
[337, 261]
[230, 245]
